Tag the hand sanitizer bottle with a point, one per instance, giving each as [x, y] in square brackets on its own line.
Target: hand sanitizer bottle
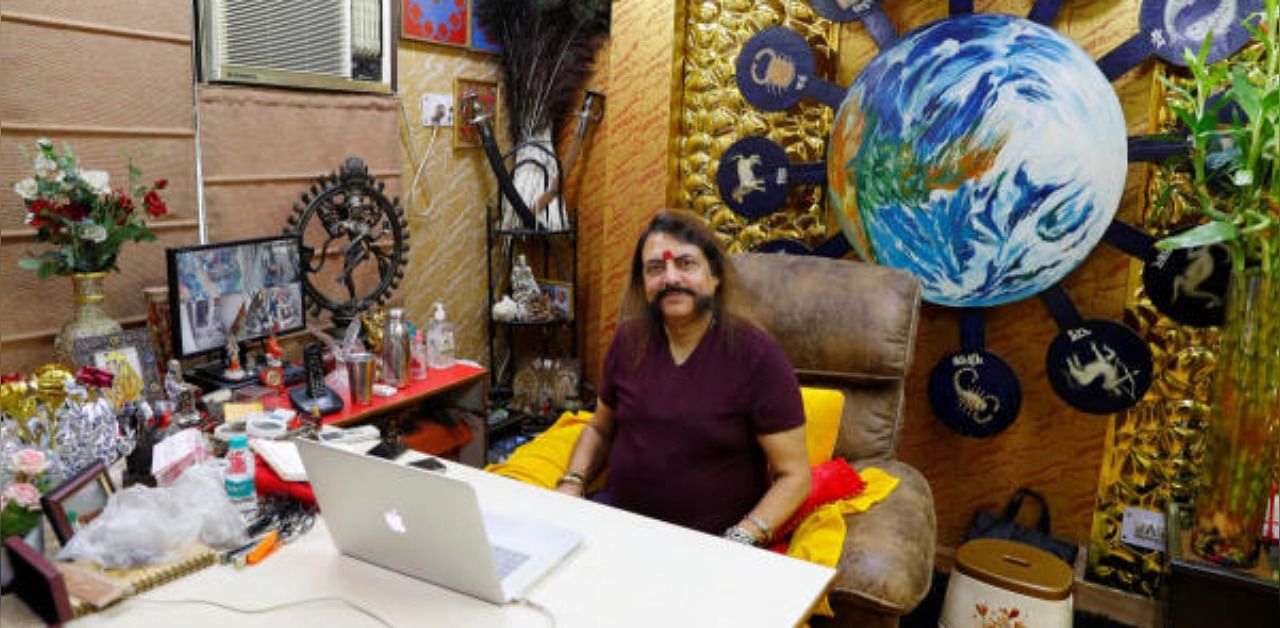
[440, 347]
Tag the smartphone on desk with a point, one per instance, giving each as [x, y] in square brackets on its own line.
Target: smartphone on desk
[430, 464]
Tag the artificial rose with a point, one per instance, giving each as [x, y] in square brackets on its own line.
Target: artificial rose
[93, 232]
[94, 377]
[45, 167]
[26, 188]
[161, 184]
[24, 494]
[155, 205]
[123, 201]
[29, 462]
[8, 378]
[72, 212]
[99, 181]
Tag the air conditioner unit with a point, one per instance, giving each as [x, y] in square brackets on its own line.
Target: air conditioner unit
[319, 44]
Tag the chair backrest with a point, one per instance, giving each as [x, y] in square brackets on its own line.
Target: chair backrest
[845, 325]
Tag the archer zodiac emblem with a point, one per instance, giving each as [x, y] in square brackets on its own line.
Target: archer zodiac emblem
[1117, 379]
[748, 182]
[778, 70]
[974, 402]
[1188, 282]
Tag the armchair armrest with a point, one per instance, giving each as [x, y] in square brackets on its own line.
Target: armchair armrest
[886, 565]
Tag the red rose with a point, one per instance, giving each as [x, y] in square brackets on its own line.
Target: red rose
[161, 184]
[123, 201]
[94, 377]
[155, 205]
[72, 212]
[10, 377]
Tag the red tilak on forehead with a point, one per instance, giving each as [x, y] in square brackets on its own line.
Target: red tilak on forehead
[667, 254]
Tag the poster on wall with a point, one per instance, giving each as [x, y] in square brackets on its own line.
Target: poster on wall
[479, 36]
[437, 22]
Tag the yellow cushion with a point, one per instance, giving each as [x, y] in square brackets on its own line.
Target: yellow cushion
[543, 460]
[822, 410]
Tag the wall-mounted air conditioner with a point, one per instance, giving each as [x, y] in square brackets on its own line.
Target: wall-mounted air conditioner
[319, 44]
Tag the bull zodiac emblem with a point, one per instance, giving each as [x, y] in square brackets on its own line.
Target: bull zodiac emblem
[975, 403]
[1117, 379]
[773, 71]
[748, 182]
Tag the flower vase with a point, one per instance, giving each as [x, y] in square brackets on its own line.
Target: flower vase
[1242, 432]
[34, 538]
[90, 319]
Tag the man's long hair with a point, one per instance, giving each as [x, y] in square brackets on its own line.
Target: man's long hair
[730, 306]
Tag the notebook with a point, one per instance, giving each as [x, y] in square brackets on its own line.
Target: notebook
[429, 525]
[95, 581]
[282, 457]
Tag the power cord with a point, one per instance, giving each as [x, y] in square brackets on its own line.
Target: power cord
[268, 609]
[546, 612]
[420, 164]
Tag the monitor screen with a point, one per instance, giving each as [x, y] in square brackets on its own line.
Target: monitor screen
[243, 286]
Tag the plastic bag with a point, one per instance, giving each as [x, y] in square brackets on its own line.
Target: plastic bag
[143, 525]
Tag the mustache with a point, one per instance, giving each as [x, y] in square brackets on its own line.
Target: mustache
[670, 290]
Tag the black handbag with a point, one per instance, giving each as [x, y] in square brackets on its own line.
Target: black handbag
[989, 525]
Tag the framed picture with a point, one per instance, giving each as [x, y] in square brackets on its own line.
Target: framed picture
[437, 22]
[561, 295]
[129, 356]
[485, 102]
[78, 501]
[480, 40]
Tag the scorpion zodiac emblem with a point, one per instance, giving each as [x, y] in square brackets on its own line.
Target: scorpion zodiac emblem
[974, 402]
[748, 182]
[1117, 379]
[778, 70]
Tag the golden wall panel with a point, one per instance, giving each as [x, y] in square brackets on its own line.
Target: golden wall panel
[713, 115]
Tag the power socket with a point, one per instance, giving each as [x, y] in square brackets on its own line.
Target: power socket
[437, 109]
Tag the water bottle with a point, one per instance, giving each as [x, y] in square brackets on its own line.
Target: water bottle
[418, 357]
[239, 475]
[441, 352]
[395, 350]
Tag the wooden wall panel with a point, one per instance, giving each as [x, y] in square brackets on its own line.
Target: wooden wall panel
[171, 158]
[160, 16]
[113, 79]
[77, 78]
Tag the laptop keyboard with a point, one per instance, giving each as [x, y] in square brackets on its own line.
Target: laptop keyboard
[508, 560]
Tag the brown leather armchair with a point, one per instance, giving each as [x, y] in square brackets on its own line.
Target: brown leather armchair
[851, 326]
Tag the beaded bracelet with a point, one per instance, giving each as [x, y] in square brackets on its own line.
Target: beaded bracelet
[738, 534]
[768, 534]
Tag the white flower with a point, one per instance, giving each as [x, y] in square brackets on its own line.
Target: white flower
[45, 167]
[27, 189]
[97, 180]
[44, 143]
[93, 232]
[29, 462]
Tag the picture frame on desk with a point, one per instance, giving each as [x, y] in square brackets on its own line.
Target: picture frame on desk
[78, 501]
[560, 294]
[130, 358]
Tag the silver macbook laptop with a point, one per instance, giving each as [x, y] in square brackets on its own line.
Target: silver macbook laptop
[428, 525]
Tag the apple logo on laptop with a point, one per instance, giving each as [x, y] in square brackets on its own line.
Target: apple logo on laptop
[394, 521]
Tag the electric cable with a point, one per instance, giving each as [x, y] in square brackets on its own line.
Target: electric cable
[276, 607]
[546, 612]
[411, 196]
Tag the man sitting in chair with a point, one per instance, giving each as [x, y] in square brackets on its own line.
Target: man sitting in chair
[700, 417]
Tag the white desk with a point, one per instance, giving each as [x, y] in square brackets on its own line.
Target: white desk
[629, 571]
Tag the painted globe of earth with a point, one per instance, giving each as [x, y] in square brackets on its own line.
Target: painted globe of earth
[986, 154]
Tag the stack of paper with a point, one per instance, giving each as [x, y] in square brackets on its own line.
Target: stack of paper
[282, 456]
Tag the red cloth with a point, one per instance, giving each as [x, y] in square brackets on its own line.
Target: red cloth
[832, 480]
[266, 481]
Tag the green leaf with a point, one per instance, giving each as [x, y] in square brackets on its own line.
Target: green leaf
[1208, 233]
[29, 263]
[1245, 94]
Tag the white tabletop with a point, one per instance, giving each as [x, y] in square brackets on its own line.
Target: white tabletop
[629, 571]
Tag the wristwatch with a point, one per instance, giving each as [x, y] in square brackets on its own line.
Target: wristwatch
[573, 477]
[739, 534]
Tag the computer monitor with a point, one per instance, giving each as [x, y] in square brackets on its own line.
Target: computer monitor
[251, 286]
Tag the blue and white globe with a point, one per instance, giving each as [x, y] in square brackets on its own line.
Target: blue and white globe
[986, 154]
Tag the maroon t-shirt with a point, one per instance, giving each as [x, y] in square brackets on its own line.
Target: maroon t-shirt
[685, 448]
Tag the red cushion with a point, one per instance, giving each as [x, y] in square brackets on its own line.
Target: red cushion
[266, 481]
[833, 480]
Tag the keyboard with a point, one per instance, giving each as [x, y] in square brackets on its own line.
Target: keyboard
[507, 560]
